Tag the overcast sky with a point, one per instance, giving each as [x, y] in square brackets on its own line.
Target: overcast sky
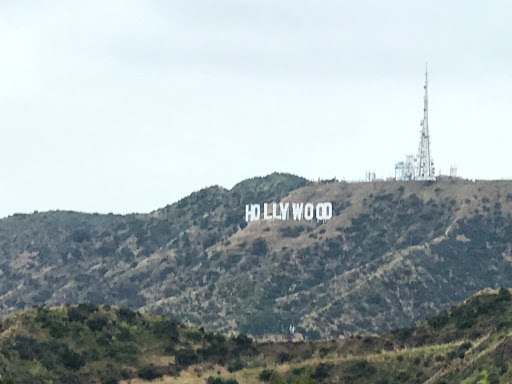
[127, 106]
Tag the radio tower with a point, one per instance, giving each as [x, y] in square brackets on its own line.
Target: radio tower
[425, 168]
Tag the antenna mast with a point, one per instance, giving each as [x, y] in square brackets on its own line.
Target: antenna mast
[425, 169]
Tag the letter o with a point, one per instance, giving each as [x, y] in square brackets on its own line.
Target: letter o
[309, 211]
[324, 211]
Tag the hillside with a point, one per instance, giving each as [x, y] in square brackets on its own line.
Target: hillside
[393, 253]
[468, 343]
[88, 343]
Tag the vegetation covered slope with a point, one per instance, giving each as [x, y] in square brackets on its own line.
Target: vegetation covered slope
[393, 253]
[89, 343]
[467, 343]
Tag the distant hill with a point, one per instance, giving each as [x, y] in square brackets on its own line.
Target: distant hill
[393, 254]
[470, 342]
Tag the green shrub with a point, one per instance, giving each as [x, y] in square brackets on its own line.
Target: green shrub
[321, 371]
[298, 371]
[80, 235]
[97, 323]
[503, 324]
[282, 357]
[126, 373]
[235, 365]
[465, 346]
[26, 347]
[186, 357]
[242, 340]
[504, 295]
[126, 314]
[439, 320]
[58, 330]
[265, 374]
[259, 247]
[361, 369]
[170, 348]
[292, 231]
[110, 380]
[276, 378]
[127, 352]
[403, 334]
[467, 320]
[149, 372]
[166, 329]
[218, 380]
[81, 312]
[72, 360]
[194, 335]
[323, 352]
[69, 379]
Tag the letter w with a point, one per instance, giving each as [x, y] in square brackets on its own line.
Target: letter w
[297, 210]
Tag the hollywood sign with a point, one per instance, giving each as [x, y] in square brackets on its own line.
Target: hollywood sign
[281, 211]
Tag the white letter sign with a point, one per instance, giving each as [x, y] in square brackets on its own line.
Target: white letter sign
[299, 211]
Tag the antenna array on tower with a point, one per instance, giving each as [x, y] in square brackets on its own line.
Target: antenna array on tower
[420, 167]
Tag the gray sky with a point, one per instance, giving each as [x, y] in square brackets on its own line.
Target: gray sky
[126, 106]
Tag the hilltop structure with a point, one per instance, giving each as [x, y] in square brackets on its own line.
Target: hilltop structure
[420, 167]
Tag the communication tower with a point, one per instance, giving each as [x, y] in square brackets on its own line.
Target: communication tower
[370, 176]
[420, 167]
[425, 169]
[453, 171]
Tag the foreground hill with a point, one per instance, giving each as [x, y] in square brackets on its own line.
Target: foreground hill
[393, 253]
[467, 343]
[89, 344]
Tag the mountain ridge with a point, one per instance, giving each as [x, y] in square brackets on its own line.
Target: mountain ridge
[393, 253]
